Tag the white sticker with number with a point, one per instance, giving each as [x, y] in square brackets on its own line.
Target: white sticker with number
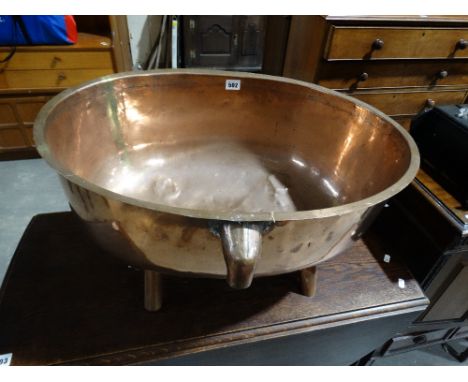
[233, 84]
[5, 359]
[401, 283]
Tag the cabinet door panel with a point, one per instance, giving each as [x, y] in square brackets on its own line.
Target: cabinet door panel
[452, 304]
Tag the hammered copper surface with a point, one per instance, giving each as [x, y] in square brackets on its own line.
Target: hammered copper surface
[338, 157]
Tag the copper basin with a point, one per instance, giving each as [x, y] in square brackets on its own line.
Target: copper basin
[338, 157]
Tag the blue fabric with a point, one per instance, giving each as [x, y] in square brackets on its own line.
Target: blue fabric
[40, 30]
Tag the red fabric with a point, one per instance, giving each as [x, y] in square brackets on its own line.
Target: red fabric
[70, 25]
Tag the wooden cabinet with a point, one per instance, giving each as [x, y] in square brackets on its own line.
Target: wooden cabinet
[401, 65]
[224, 42]
[432, 229]
[36, 73]
[426, 227]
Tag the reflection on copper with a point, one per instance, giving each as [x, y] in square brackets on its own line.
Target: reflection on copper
[314, 171]
[298, 162]
[125, 179]
[132, 113]
[330, 187]
[344, 151]
[140, 146]
[373, 135]
[157, 162]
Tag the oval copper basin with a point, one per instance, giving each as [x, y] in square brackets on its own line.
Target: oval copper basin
[338, 157]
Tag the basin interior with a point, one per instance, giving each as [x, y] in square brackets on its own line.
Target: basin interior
[131, 134]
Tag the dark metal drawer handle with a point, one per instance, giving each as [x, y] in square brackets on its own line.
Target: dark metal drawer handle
[442, 74]
[378, 44]
[363, 76]
[430, 103]
[462, 44]
[55, 61]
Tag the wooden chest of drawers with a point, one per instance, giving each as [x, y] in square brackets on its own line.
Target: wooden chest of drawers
[34, 74]
[401, 65]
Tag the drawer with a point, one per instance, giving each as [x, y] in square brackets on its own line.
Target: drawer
[358, 43]
[17, 115]
[28, 109]
[33, 79]
[397, 103]
[58, 60]
[406, 343]
[13, 137]
[7, 115]
[388, 74]
[21, 110]
[28, 131]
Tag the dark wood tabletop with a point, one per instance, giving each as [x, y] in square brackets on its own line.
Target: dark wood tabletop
[64, 301]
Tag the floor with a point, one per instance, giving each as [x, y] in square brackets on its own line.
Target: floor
[27, 188]
[30, 187]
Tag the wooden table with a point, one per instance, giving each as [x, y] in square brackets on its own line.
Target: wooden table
[64, 301]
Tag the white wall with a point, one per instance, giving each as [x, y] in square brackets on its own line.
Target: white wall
[143, 30]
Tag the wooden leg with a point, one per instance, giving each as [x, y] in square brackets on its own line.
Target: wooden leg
[153, 291]
[309, 281]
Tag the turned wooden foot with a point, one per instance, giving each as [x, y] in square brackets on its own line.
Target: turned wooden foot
[309, 281]
[153, 291]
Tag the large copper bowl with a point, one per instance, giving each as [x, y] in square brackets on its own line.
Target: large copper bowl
[360, 157]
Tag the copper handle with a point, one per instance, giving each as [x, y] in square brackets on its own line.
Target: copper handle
[378, 44]
[430, 103]
[363, 76]
[242, 246]
[462, 44]
[442, 74]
